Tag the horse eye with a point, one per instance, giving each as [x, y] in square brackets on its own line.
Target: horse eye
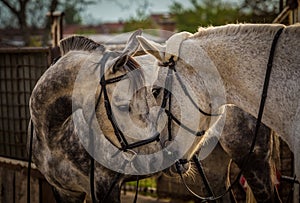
[156, 91]
[124, 108]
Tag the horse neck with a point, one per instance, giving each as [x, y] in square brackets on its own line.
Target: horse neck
[51, 99]
[241, 61]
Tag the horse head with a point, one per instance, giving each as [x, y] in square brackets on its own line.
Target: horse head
[92, 101]
[192, 111]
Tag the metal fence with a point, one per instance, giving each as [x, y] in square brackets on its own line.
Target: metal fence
[20, 68]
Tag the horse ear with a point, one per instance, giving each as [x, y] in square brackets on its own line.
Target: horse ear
[131, 47]
[155, 49]
[132, 44]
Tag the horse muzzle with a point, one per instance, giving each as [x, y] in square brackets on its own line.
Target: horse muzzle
[181, 166]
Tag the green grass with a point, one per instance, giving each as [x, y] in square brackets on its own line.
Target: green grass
[148, 182]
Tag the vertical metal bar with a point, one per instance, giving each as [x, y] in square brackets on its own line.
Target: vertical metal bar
[6, 132]
[2, 81]
[18, 107]
[13, 120]
[14, 187]
[24, 115]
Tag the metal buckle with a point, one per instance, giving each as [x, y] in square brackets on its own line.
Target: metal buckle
[126, 155]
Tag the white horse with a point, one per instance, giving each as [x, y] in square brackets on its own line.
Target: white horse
[236, 139]
[235, 57]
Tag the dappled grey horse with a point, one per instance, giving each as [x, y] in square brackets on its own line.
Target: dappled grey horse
[70, 122]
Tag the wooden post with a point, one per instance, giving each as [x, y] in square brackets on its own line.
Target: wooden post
[56, 19]
[294, 16]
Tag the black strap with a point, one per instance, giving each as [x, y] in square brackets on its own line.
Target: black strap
[171, 65]
[92, 179]
[92, 150]
[266, 83]
[111, 187]
[204, 178]
[196, 133]
[140, 143]
[136, 190]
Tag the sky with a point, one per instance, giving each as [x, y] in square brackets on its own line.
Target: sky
[116, 10]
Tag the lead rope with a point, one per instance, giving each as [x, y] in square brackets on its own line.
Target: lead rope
[258, 122]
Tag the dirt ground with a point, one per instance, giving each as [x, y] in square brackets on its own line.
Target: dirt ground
[129, 197]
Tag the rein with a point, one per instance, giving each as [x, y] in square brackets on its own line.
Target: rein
[258, 123]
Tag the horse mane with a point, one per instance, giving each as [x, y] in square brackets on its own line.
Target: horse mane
[234, 29]
[79, 43]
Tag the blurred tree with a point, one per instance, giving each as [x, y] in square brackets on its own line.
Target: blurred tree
[203, 13]
[260, 11]
[32, 13]
[18, 9]
[135, 24]
[218, 12]
[72, 9]
[141, 19]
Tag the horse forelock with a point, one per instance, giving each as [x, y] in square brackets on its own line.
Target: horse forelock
[234, 29]
[79, 43]
[135, 73]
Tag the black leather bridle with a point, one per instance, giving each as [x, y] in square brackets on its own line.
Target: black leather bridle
[167, 98]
